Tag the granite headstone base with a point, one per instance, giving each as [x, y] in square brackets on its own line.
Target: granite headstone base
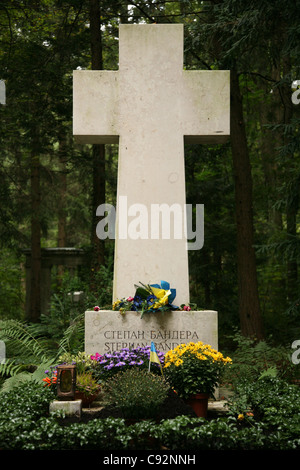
[109, 330]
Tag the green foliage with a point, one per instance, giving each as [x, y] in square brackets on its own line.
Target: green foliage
[23, 341]
[64, 325]
[20, 412]
[270, 401]
[28, 351]
[138, 393]
[87, 384]
[11, 291]
[25, 424]
[82, 360]
[251, 359]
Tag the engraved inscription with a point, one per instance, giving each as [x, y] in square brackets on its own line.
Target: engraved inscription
[164, 340]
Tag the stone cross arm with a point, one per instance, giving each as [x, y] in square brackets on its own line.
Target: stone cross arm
[139, 97]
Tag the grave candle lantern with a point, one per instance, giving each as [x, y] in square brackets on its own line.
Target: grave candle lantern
[66, 382]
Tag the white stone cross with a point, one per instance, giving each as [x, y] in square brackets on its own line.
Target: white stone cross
[150, 107]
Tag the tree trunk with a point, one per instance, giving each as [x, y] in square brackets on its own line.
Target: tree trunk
[269, 114]
[62, 193]
[292, 204]
[36, 257]
[61, 203]
[98, 152]
[249, 306]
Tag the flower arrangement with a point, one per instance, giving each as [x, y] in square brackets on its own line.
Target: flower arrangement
[111, 363]
[194, 368]
[148, 298]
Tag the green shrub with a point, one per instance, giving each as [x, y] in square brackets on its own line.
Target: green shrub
[251, 359]
[25, 423]
[20, 412]
[270, 400]
[138, 393]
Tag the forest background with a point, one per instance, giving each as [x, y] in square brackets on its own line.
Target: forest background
[50, 187]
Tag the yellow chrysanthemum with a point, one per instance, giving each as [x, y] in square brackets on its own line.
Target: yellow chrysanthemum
[200, 350]
[178, 362]
[202, 357]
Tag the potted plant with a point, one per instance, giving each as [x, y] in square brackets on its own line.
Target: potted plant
[194, 370]
[87, 388]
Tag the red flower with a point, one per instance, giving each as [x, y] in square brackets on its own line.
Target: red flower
[48, 381]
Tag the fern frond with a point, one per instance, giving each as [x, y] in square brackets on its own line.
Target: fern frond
[77, 327]
[14, 381]
[9, 368]
[20, 337]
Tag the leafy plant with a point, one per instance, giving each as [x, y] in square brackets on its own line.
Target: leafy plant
[138, 393]
[251, 359]
[269, 399]
[82, 361]
[86, 384]
[29, 352]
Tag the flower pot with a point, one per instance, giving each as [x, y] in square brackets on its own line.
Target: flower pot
[199, 403]
[86, 399]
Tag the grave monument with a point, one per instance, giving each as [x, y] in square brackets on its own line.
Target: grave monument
[151, 106]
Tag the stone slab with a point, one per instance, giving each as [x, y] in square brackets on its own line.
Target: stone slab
[72, 408]
[109, 330]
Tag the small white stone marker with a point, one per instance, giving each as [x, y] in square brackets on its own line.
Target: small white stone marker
[150, 106]
[70, 407]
